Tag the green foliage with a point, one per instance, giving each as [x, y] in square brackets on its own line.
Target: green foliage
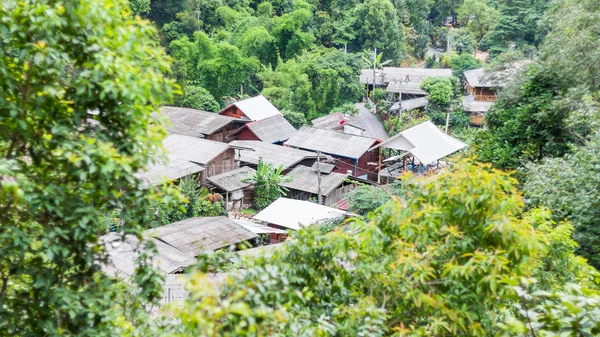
[462, 63]
[478, 16]
[197, 202]
[297, 119]
[196, 97]
[266, 183]
[60, 60]
[570, 187]
[139, 7]
[461, 41]
[365, 199]
[288, 30]
[440, 262]
[397, 123]
[439, 89]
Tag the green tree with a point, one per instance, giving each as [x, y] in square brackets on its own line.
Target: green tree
[444, 97]
[461, 41]
[61, 60]
[440, 261]
[257, 42]
[139, 7]
[266, 183]
[365, 199]
[570, 187]
[462, 63]
[196, 97]
[289, 31]
[478, 16]
[378, 26]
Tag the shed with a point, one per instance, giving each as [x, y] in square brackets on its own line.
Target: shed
[201, 234]
[215, 157]
[424, 143]
[275, 129]
[339, 122]
[350, 152]
[395, 74]
[272, 154]
[232, 186]
[293, 214]
[251, 109]
[304, 185]
[200, 124]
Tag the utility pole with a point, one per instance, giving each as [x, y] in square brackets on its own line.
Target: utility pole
[319, 196]
[447, 120]
[374, 80]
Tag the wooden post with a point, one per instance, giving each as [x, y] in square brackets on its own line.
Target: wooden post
[379, 165]
[319, 195]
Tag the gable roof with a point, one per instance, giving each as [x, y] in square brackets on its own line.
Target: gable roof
[196, 235]
[482, 78]
[395, 74]
[273, 129]
[331, 142]
[425, 141]
[323, 167]
[271, 153]
[200, 151]
[194, 123]
[410, 88]
[305, 179]
[256, 108]
[124, 250]
[335, 120]
[175, 168]
[294, 214]
[232, 180]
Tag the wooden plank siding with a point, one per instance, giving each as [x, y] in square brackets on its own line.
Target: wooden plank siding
[482, 94]
[222, 163]
[223, 134]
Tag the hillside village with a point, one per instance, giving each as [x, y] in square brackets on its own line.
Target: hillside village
[300, 168]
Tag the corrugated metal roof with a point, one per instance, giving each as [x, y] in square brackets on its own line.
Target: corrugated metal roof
[410, 88]
[323, 167]
[305, 179]
[336, 120]
[271, 154]
[274, 129]
[471, 105]
[175, 168]
[293, 214]
[256, 108]
[331, 142]
[124, 250]
[257, 229]
[196, 150]
[196, 235]
[393, 74]
[482, 78]
[194, 123]
[232, 180]
[425, 142]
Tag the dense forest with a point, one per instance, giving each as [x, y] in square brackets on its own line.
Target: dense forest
[504, 242]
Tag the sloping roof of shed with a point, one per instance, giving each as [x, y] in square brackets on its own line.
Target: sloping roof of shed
[256, 108]
[257, 228]
[335, 120]
[331, 142]
[425, 141]
[294, 214]
[175, 168]
[411, 88]
[232, 180]
[323, 167]
[273, 129]
[410, 104]
[123, 252]
[305, 179]
[196, 150]
[194, 123]
[271, 153]
[195, 235]
[393, 74]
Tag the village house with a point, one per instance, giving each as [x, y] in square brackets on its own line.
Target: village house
[350, 153]
[275, 130]
[251, 109]
[304, 184]
[232, 187]
[285, 213]
[338, 121]
[173, 170]
[214, 157]
[275, 155]
[201, 124]
[404, 82]
[422, 148]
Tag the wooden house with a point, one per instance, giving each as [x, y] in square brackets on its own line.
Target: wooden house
[275, 155]
[350, 153]
[173, 170]
[214, 157]
[482, 85]
[251, 109]
[231, 185]
[403, 82]
[201, 124]
[304, 184]
[275, 130]
[338, 121]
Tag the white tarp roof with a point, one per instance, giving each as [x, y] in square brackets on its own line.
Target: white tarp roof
[257, 108]
[293, 214]
[425, 141]
[258, 229]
